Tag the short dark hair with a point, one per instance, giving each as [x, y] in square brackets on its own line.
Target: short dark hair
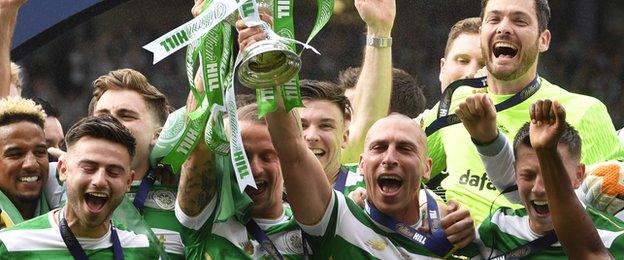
[468, 26]
[47, 107]
[542, 10]
[102, 127]
[132, 80]
[348, 78]
[407, 96]
[570, 138]
[327, 91]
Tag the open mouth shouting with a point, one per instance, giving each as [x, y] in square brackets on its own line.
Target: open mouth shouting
[259, 191]
[504, 50]
[318, 152]
[389, 184]
[96, 201]
[541, 208]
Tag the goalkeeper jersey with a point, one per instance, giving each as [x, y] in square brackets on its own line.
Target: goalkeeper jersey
[40, 238]
[347, 232]
[450, 148]
[507, 229]
[205, 239]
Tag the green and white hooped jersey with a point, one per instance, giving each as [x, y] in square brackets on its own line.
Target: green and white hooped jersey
[159, 214]
[354, 179]
[347, 232]
[40, 238]
[230, 240]
[507, 229]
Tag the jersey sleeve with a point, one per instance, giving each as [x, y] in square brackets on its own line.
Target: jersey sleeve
[598, 136]
[498, 159]
[195, 222]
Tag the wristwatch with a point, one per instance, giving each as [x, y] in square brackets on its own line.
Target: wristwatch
[379, 42]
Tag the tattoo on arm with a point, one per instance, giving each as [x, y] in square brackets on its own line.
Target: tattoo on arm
[197, 185]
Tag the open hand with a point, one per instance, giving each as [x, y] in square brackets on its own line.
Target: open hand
[547, 124]
[478, 115]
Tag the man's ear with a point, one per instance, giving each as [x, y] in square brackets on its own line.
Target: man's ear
[61, 166]
[427, 169]
[345, 137]
[580, 175]
[155, 136]
[544, 40]
[129, 181]
[442, 61]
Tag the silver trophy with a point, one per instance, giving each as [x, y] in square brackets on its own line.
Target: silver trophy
[267, 63]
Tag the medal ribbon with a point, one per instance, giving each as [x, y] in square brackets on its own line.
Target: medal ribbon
[265, 242]
[74, 246]
[146, 185]
[340, 183]
[530, 248]
[516, 99]
[435, 242]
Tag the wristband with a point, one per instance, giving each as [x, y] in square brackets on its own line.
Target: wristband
[379, 42]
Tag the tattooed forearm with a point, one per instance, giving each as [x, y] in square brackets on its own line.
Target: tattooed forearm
[197, 184]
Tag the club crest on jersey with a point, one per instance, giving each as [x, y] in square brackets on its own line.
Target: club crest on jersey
[477, 181]
[164, 199]
[377, 244]
[293, 242]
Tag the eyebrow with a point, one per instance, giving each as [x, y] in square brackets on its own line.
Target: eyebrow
[514, 13]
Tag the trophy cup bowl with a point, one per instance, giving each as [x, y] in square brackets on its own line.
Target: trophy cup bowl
[267, 63]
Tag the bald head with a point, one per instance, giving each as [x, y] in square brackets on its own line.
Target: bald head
[397, 124]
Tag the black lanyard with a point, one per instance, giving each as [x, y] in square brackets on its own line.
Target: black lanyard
[341, 182]
[530, 248]
[516, 99]
[74, 246]
[447, 95]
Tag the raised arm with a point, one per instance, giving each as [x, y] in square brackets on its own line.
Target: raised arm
[197, 179]
[479, 118]
[8, 18]
[374, 86]
[309, 191]
[575, 230]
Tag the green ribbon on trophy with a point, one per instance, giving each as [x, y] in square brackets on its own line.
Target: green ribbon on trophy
[282, 11]
[264, 65]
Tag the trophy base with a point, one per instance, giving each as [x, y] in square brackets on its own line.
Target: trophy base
[266, 64]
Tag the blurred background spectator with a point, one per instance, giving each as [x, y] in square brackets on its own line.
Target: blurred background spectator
[585, 55]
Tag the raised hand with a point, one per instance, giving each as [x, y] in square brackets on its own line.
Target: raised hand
[250, 35]
[478, 115]
[378, 15]
[547, 124]
[197, 7]
[11, 3]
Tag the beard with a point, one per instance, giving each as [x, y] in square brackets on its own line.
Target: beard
[526, 61]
